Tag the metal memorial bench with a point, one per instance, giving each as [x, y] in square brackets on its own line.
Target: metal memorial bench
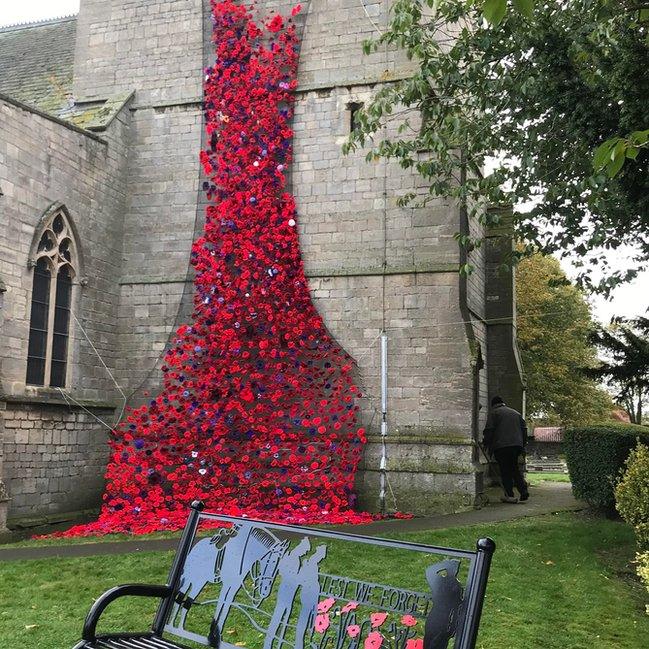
[254, 584]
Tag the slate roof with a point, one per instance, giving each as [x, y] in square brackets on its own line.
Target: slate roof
[36, 62]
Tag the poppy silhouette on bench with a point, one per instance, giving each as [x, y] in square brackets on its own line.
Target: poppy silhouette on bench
[278, 585]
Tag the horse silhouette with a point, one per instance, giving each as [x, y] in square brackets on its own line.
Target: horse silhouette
[233, 554]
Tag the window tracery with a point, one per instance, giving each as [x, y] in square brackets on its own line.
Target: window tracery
[55, 267]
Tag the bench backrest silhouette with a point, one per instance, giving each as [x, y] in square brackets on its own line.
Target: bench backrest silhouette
[237, 582]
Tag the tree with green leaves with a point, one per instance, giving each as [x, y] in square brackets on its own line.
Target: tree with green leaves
[543, 91]
[625, 346]
[554, 325]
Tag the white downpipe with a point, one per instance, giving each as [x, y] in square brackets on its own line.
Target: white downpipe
[384, 415]
[524, 413]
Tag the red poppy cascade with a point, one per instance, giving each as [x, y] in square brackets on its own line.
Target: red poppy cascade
[257, 415]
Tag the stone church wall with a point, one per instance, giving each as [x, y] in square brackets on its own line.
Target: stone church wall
[134, 194]
[54, 458]
[155, 48]
[372, 263]
[505, 367]
[152, 46]
[342, 209]
[45, 162]
[158, 232]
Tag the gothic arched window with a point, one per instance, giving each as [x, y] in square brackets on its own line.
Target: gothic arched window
[55, 263]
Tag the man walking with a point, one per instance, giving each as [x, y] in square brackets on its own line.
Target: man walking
[506, 435]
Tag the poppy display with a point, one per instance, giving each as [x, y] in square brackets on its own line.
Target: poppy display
[257, 414]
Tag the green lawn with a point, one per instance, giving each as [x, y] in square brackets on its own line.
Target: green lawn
[557, 582]
[106, 538]
[536, 477]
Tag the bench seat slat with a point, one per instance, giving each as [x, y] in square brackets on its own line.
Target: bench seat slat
[143, 642]
[158, 643]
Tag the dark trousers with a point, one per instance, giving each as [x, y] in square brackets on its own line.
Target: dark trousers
[510, 470]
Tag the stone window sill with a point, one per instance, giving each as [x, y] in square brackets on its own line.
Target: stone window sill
[47, 397]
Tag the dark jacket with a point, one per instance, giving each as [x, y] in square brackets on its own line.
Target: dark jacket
[505, 427]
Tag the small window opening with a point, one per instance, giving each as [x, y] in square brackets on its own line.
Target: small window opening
[354, 107]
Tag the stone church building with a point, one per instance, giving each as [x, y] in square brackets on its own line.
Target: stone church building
[100, 199]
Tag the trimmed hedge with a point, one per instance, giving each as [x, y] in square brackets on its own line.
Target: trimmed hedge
[596, 455]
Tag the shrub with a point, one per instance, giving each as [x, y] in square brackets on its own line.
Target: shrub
[632, 501]
[643, 571]
[632, 494]
[596, 455]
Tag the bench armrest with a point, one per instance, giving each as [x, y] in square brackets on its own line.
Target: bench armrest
[127, 590]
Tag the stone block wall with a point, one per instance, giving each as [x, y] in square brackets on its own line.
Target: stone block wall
[372, 264]
[148, 45]
[428, 360]
[537, 450]
[148, 314]
[44, 162]
[159, 225]
[54, 459]
[476, 312]
[331, 52]
[344, 201]
[156, 49]
[135, 194]
[505, 371]
[162, 192]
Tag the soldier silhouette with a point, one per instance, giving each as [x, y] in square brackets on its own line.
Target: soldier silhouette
[446, 590]
[309, 594]
[289, 572]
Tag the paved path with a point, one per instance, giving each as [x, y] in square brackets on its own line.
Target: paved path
[547, 498]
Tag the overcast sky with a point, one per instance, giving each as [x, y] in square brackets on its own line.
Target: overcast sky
[629, 300]
[23, 11]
